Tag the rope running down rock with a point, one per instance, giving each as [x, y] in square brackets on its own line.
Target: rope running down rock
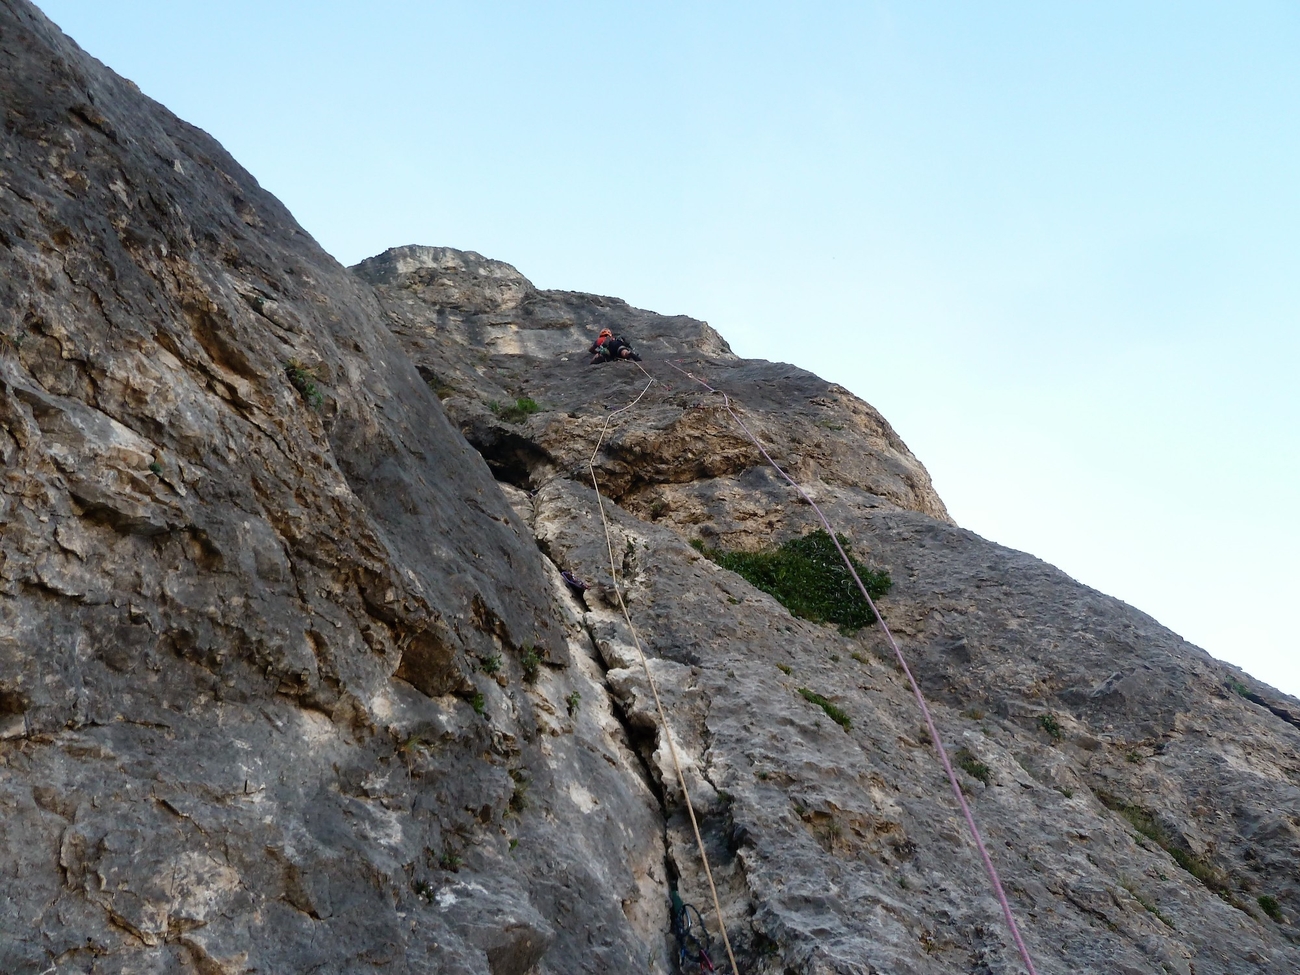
[898, 653]
[645, 663]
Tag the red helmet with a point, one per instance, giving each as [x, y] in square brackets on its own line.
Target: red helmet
[606, 334]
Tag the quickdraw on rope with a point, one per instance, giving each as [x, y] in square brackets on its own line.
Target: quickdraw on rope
[692, 937]
[902, 662]
[654, 689]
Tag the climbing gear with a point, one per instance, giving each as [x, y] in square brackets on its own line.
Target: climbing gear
[574, 583]
[645, 666]
[692, 936]
[989, 868]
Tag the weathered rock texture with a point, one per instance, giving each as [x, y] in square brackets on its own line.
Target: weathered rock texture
[244, 624]
[289, 680]
[842, 851]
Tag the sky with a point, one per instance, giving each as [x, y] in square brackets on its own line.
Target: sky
[1057, 245]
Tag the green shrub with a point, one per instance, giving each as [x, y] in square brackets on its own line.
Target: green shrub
[1049, 724]
[303, 379]
[834, 713]
[1270, 906]
[808, 577]
[490, 664]
[531, 661]
[478, 703]
[523, 408]
[972, 766]
[572, 702]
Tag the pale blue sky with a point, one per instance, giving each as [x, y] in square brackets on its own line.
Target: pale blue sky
[1057, 245]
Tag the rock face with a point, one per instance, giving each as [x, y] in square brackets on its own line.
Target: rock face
[290, 681]
[252, 582]
[1140, 796]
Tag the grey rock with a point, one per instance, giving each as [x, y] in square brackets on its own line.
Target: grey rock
[1128, 783]
[290, 680]
[251, 577]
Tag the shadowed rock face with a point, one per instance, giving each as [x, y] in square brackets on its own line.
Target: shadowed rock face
[249, 575]
[289, 681]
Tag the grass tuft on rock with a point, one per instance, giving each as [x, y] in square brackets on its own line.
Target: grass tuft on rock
[836, 714]
[808, 577]
[1147, 825]
[523, 408]
[972, 766]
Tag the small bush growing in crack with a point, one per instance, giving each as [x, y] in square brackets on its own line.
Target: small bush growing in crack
[303, 378]
[1051, 725]
[531, 661]
[972, 766]
[478, 703]
[833, 712]
[490, 664]
[450, 861]
[1270, 906]
[572, 702]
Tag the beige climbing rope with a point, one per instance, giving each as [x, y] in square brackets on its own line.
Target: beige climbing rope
[645, 664]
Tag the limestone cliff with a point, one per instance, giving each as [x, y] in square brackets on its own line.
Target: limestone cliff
[289, 680]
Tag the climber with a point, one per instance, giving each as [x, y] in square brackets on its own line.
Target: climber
[609, 346]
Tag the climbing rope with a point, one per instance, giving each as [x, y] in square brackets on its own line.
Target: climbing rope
[898, 653]
[645, 664]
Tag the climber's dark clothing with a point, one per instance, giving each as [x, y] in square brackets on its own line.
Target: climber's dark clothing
[610, 347]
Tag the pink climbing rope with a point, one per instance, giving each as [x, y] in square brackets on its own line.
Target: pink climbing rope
[902, 662]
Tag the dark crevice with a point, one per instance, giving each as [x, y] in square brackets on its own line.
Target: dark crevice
[513, 458]
[1273, 709]
[641, 742]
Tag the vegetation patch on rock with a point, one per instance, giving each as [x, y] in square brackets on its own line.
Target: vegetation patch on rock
[808, 577]
[518, 412]
[972, 766]
[303, 378]
[1149, 826]
[836, 714]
